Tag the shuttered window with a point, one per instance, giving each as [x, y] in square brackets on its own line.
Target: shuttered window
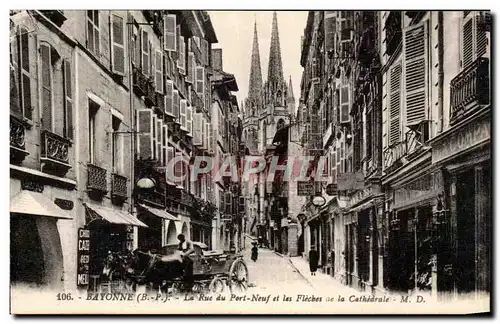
[68, 101]
[181, 63]
[395, 103]
[164, 145]
[159, 140]
[144, 136]
[169, 98]
[183, 114]
[330, 29]
[118, 45]
[170, 43]
[93, 31]
[45, 53]
[210, 136]
[203, 131]
[189, 72]
[178, 169]
[200, 80]
[189, 119]
[344, 104]
[133, 39]
[159, 71]
[474, 39]
[197, 124]
[415, 44]
[176, 104]
[205, 52]
[138, 49]
[145, 53]
[24, 75]
[153, 137]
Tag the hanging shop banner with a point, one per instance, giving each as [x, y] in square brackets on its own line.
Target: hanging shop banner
[83, 257]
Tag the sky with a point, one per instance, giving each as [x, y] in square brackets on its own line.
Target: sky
[234, 30]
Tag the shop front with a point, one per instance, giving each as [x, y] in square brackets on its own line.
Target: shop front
[151, 238]
[37, 249]
[463, 156]
[108, 231]
[413, 239]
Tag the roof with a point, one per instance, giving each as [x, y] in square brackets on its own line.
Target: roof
[36, 203]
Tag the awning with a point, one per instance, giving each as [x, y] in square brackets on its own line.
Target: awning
[159, 212]
[36, 203]
[114, 216]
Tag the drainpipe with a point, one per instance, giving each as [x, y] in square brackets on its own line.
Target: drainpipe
[440, 72]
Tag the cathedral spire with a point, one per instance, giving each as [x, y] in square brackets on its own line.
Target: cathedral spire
[275, 69]
[255, 82]
[290, 97]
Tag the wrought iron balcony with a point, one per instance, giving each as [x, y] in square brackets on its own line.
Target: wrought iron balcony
[96, 179]
[55, 150]
[140, 82]
[118, 186]
[393, 32]
[17, 140]
[394, 153]
[153, 197]
[470, 89]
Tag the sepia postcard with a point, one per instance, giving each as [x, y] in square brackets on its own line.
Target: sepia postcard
[250, 162]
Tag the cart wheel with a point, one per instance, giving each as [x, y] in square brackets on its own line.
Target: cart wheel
[238, 276]
[216, 286]
[175, 288]
[197, 288]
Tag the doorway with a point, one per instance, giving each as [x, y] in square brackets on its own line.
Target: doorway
[466, 227]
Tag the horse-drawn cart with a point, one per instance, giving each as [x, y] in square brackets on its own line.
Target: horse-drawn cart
[205, 271]
[213, 271]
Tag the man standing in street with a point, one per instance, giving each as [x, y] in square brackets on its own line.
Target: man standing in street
[186, 248]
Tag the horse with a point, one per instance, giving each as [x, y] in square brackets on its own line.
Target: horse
[155, 270]
[118, 266]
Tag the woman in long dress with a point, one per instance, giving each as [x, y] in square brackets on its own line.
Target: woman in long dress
[313, 261]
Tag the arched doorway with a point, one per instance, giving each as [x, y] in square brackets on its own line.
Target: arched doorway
[171, 233]
[185, 231]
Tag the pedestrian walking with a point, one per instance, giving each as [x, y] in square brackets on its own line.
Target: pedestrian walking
[255, 251]
[313, 261]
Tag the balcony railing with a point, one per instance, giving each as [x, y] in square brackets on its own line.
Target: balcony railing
[55, 149]
[17, 139]
[96, 179]
[154, 198]
[394, 153]
[140, 82]
[118, 185]
[470, 89]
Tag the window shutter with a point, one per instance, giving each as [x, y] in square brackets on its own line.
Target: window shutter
[181, 63]
[175, 103]
[210, 137]
[203, 132]
[222, 204]
[159, 139]
[144, 137]
[204, 52]
[159, 72]
[228, 203]
[474, 40]
[145, 53]
[151, 61]
[164, 134]
[200, 80]
[189, 72]
[46, 87]
[170, 154]
[415, 44]
[344, 104]
[169, 98]
[193, 69]
[178, 168]
[118, 45]
[197, 129]
[68, 100]
[153, 137]
[481, 38]
[170, 43]
[395, 104]
[23, 75]
[183, 114]
[189, 119]
[138, 48]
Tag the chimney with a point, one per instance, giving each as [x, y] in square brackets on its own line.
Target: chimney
[217, 59]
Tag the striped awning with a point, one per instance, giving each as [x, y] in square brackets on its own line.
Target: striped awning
[160, 213]
[113, 216]
[36, 203]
